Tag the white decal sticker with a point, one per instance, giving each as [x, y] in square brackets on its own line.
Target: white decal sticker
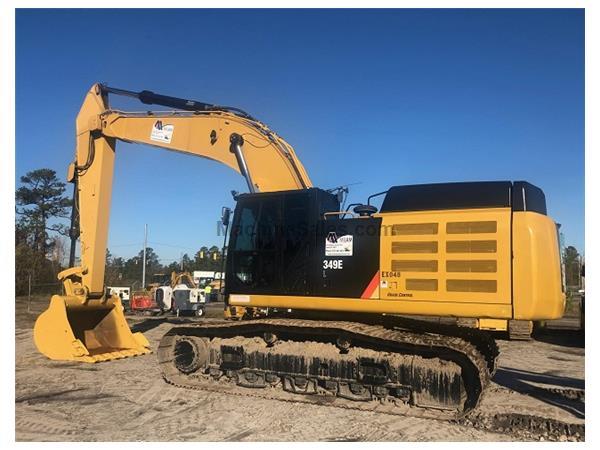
[161, 132]
[338, 246]
[384, 284]
[236, 298]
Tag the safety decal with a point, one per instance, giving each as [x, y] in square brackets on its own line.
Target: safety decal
[372, 289]
[162, 133]
[338, 246]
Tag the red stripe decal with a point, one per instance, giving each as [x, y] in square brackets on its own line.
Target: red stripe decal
[371, 286]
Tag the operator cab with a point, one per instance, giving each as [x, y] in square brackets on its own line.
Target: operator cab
[297, 243]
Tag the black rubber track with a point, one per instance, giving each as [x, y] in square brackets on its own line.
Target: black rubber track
[461, 346]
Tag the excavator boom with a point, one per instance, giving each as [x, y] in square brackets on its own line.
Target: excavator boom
[86, 323]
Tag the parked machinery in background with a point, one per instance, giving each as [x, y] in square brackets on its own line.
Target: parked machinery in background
[124, 294]
[163, 297]
[187, 296]
[175, 293]
[155, 298]
[204, 278]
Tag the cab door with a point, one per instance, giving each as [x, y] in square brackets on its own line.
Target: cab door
[255, 258]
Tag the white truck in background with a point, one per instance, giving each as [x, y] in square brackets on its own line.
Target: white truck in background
[123, 293]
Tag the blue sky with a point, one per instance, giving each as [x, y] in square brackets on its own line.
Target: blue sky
[375, 97]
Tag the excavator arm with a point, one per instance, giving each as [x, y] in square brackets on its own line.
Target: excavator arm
[266, 161]
[86, 324]
[182, 278]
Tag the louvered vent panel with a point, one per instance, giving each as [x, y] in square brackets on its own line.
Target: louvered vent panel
[485, 265]
[415, 265]
[406, 229]
[413, 242]
[415, 247]
[418, 284]
[471, 285]
[471, 246]
[487, 226]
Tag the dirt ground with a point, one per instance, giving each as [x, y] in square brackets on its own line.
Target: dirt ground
[538, 393]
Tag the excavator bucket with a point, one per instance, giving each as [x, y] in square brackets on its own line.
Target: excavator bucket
[92, 332]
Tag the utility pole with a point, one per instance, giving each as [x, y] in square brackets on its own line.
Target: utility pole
[144, 259]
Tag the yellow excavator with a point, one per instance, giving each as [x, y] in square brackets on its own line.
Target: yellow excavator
[336, 284]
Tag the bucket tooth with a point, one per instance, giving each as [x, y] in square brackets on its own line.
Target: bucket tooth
[71, 331]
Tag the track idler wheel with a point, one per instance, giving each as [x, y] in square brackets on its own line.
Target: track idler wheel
[190, 354]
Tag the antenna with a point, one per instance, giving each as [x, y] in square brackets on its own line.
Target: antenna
[342, 192]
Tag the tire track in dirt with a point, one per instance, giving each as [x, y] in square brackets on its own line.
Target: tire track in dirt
[43, 426]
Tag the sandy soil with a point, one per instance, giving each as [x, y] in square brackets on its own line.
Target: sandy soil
[127, 400]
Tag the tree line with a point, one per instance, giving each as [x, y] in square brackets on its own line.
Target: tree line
[573, 265]
[41, 206]
[42, 214]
